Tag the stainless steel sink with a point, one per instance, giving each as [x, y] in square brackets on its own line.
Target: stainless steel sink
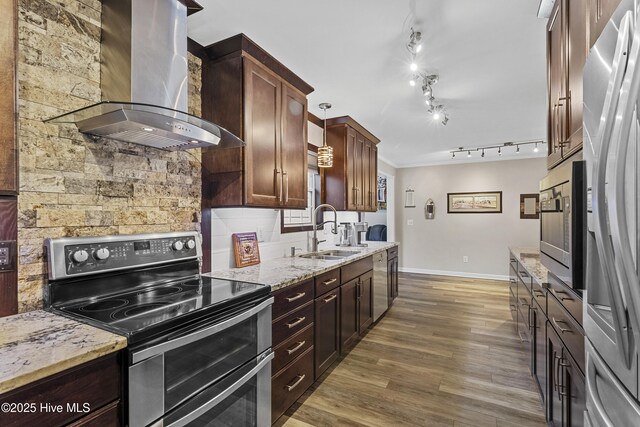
[329, 255]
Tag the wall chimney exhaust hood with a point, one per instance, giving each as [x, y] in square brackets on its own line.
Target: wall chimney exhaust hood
[143, 77]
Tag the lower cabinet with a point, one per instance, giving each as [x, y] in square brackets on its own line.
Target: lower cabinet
[289, 384]
[538, 348]
[392, 274]
[96, 384]
[365, 302]
[356, 309]
[327, 321]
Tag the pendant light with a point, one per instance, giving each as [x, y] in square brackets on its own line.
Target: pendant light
[325, 153]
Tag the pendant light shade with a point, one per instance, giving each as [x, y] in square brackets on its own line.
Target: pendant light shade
[325, 153]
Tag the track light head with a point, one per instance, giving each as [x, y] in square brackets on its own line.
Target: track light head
[482, 155]
[413, 66]
[499, 151]
[415, 42]
[445, 121]
[535, 148]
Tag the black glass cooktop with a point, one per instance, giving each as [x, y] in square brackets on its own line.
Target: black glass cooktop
[144, 310]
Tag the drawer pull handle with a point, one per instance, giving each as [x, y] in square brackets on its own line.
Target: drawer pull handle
[296, 322]
[561, 298]
[538, 292]
[298, 296]
[295, 348]
[328, 282]
[295, 384]
[562, 330]
[331, 298]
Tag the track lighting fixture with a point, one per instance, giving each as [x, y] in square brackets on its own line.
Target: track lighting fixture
[535, 148]
[437, 112]
[429, 100]
[445, 121]
[412, 82]
[499, 147]
[413, 66]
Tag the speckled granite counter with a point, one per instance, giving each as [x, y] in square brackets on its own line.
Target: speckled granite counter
[530, 260]
[282, 272]
[38, 344]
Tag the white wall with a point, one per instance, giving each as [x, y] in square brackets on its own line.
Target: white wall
[437, 246]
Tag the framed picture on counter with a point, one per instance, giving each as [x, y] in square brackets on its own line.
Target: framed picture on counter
[475, 202]
[245, 248]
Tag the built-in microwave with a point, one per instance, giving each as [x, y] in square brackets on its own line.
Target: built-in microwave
[563, 224]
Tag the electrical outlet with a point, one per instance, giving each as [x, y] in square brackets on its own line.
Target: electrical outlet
[260, 234]
[409, 222]
[465, 259]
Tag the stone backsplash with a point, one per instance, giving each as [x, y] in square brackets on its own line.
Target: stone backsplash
[71, 185]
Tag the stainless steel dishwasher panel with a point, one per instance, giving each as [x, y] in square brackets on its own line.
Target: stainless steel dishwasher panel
[380, 293]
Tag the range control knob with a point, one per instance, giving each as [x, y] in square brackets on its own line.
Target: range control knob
[178, 245]
[80, 256]
[101, 254]
[191, 244]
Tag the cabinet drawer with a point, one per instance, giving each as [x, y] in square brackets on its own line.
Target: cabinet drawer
[571, 302]
[327, 281]
[567, 328]
[524, 300]
[292, 297]
[524, 275]
[513, 285]
[291, 348]
[393, 252]
[289, 384]
[95, 383]
[292, 323]
[356, 268]
[539, 294]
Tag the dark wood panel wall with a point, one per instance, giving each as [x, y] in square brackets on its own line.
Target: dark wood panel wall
[8, 146]
[8, 154]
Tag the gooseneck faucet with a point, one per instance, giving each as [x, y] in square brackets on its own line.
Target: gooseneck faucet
[314, 239]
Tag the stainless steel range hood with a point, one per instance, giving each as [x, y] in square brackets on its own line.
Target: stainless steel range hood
[143, 77]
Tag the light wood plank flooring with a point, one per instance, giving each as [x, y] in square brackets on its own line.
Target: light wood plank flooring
[446, 354]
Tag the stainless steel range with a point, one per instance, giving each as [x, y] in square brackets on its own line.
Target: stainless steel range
[199, 349]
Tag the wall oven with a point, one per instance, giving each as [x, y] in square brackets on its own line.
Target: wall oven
[563, 223]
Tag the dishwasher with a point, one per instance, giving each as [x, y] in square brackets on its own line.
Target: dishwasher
[380, 293]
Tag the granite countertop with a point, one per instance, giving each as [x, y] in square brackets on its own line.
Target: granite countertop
[37, 344]
[530, 260]
[282, 272]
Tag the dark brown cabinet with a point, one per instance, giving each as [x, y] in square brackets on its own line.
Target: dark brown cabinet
[348, 314]
[392, 274]
[566, 384]
[568, 44]
[537, 333]
[327, 321]
[599, 13]
[96, 384]
[351, 184]
[255, 97]
[8, 98]
[365, 302]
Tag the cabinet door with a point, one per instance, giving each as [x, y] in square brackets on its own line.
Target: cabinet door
[366, 172]
[294, 147]
[8, 140]
[327, 336]
[556, 81]
[263, 105]
[572, 392]
[348, 314]
[352, 171]
[373, 176]
[554, 377]
[365, 302]
[539, 342]
[359, 170]
[577, 49]
[599, 13]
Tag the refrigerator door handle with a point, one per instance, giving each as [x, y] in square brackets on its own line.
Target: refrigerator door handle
[617, 199]
[601, 227]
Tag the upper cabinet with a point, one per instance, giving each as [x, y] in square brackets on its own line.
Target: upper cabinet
[8, 127]
[567, 47]
[351, 183]
[258, 99]
[573, 28]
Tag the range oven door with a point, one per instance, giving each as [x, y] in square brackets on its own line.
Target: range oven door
[195, 362]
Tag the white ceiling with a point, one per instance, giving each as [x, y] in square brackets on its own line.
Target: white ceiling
[490, 56]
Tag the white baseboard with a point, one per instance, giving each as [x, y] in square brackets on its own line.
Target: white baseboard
[453, 273]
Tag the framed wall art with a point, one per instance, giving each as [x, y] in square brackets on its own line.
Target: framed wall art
[530, 206]
[478, 202]
[245, 249]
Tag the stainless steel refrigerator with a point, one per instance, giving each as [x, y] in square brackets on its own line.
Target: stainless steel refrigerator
[612, 297]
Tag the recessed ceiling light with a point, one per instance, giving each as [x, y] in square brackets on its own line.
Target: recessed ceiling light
[194, 141]
[148, 129]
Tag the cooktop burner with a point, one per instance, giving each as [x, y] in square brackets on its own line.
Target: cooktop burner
[132, 312]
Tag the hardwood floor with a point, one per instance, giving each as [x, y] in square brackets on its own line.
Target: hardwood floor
[446, 354]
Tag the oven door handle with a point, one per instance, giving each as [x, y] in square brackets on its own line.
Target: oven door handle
[155, 350]
[222, 396]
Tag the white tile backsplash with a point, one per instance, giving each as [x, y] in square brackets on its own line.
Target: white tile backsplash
[226, 221]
